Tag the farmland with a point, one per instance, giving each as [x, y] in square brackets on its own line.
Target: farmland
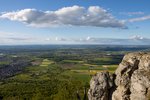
[54, 73]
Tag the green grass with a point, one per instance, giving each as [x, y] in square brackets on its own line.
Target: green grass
[23, 76]
[84, 74]
[104, 59]
[49, 85]
[46, 62]
[50, 81]
[87, 67]
[94, 65]
[93, 70]
[83, 77]
[4, 63]
[112, 68]
[72, 61]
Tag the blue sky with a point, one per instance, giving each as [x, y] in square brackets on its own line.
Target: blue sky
[80, 22]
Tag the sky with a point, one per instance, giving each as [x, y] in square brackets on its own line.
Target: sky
[74, 22]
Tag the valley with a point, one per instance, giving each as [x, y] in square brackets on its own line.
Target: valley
[55, 72]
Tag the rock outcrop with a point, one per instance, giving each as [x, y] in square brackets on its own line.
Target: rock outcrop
[131, 80]
[100, 85]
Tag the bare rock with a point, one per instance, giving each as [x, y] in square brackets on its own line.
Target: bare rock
[140, 80]
[140, 84]
[132, 80]
[123, 73]
[100, 86]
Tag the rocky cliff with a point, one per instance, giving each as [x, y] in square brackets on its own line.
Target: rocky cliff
[131, 80]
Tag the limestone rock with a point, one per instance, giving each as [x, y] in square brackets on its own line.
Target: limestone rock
[100, 86]
[140, 85]
[132, 80]
[123, 73]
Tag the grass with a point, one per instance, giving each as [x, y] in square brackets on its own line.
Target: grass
[72, 61]
[87, 67]
[111, 68]
[81, 76]
[4, 63]
[34, 81]
[95, 69]
[46, 62]
[42, 68]
[83, 73]
[51, 81]
[104, 59]
[36, 72]
[94, 65]
[22, 76]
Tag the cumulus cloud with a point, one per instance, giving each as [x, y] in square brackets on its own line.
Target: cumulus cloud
[139, 19]
[67, 16]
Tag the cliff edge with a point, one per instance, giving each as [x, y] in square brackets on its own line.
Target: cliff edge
[131, 80]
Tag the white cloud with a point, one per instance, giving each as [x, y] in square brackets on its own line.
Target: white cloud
[88, 38]
[48, 39]
[67, 16]
[15, 40]
[134, 40]
[56, 39]
[139, 19]
[132, 13]
[137, 37]
[60, 39]
[9, 38]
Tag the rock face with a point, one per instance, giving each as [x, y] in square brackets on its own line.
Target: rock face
[131, 80]
[100, 86]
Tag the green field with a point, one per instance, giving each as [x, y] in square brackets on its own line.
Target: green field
[43, 81]
[55, 72]
[3, 63]
[53, 80]
[72, 61]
